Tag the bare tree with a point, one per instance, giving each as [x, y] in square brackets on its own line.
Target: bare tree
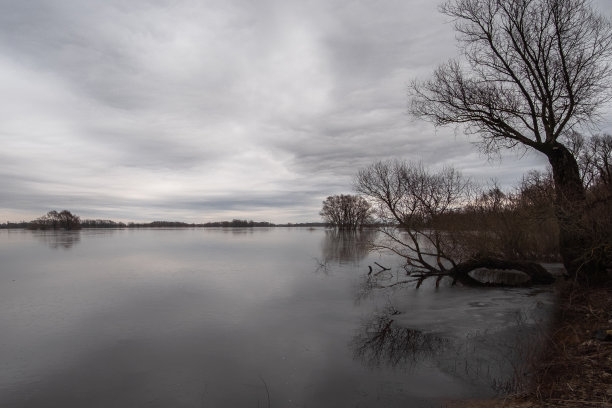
[594, 156]
[409, 197]
[345, 211]
[411, 200]
[532, 70]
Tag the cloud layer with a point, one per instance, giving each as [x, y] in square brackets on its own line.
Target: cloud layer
[208, 110]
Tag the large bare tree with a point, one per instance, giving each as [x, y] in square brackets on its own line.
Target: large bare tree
[531, 71]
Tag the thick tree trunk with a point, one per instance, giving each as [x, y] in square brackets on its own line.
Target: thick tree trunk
[570, 207]
[535, 271]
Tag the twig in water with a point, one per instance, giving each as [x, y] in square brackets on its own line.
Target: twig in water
[267, 390]
[322, 265]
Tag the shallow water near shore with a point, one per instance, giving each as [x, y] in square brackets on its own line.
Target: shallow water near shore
[242, 318]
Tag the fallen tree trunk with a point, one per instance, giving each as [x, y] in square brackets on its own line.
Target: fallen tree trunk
[530, 273]
[537, 274]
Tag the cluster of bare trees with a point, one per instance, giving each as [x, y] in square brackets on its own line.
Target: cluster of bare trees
[525, 220]
[435, 222]
[442, 224]
[57, 220]
[346, 211]
[594, 156]
[515, 225]
[530, 73]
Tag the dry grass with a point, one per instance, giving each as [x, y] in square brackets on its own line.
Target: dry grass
[576, 369]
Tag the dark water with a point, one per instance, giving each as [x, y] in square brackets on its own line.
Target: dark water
[240, 318]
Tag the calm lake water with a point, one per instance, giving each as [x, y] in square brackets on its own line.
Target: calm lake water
[242, 318]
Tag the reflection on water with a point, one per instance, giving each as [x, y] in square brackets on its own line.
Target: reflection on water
[240, 230]
[57, 239]
[499, 359]
[230, 318]
[346, 246]
[382, 342]
[503, 359]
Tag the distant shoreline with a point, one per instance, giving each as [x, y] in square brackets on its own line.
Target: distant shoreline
[108, 224]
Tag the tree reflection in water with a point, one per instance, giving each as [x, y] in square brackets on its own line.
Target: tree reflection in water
[501, 360]
[59, 239]
[346, 246]
[382, 342]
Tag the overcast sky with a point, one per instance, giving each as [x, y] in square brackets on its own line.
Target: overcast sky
[204, 110]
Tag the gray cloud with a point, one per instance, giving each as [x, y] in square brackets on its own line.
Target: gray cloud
[156, 109]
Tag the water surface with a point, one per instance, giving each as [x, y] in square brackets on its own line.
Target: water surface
[239, 318]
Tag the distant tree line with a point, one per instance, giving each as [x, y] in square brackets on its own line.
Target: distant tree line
[15, 225]
[237, 223]
[302, 224]
[102, 224]
[219, 224]
[65, 220]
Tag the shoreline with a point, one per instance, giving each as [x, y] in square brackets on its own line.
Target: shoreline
[576, 369]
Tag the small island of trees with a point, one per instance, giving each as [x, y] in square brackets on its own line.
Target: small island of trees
[54, 220]
[346, 212]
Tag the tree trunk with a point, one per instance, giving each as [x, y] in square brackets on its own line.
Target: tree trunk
[570, 207]
[535, 271]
